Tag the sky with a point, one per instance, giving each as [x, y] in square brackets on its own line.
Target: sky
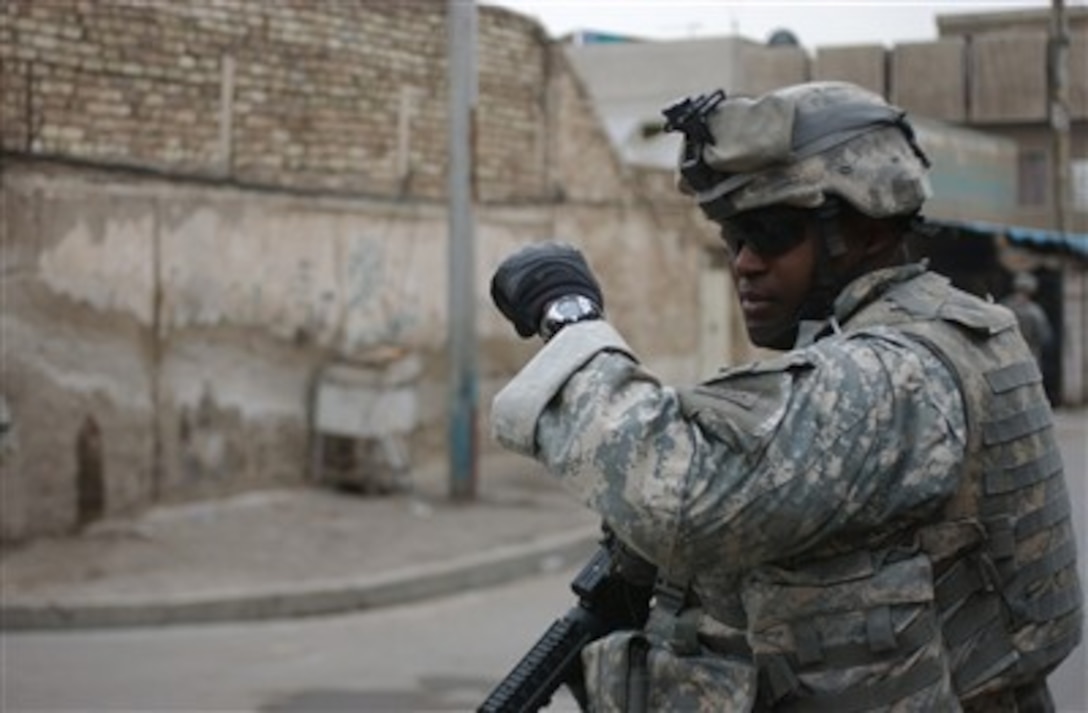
[816, 23]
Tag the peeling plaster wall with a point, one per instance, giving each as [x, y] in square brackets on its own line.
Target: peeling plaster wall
[165, 313]
[189, 322]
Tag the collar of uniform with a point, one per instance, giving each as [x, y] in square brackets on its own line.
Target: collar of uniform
[862, 291]
[809, 330]
[869, 287]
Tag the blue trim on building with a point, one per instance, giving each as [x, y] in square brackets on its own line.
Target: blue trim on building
[1035, 238]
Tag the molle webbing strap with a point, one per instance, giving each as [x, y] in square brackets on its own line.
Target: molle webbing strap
[1014, 477]
[1002, 540]
[840, 656]
[991, 654]
[857, 699]
[1055, 510]
[1040, 659]
[1032, 697]
[1021, 424]
[962, 579]
[1050, 606]
[1009, 377]
[1026, 574]
[879, 630]
[967, 621]
[672, 618]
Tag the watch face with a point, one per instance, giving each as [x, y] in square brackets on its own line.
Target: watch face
[568, 309]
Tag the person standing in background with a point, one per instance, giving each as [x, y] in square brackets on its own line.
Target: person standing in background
[1034, 324]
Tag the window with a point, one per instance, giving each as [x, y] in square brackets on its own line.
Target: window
[1032, 178]
[1080, 185]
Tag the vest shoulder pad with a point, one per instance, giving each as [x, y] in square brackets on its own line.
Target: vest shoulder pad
[940, 300]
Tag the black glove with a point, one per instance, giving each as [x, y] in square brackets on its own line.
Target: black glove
[528, 280]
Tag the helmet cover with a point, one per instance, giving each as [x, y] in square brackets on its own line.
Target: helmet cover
[801, 144]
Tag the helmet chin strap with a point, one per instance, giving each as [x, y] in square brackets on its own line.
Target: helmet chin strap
[827, 282]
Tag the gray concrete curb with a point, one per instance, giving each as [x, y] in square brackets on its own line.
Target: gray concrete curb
[410, 584]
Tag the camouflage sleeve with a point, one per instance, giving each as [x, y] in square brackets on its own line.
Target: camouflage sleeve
[764, 463]
[517, 408]
[836, 440]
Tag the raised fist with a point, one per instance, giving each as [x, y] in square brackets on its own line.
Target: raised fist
[527, 281]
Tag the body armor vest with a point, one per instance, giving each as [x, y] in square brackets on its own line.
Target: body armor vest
[969, 606]
[1003, 551]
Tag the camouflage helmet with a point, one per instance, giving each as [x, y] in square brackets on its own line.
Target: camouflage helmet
[798, 146]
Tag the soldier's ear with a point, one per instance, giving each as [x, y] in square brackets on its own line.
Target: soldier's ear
[886, 238]
[870, 237]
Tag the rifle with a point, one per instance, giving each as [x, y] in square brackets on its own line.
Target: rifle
[613, 590]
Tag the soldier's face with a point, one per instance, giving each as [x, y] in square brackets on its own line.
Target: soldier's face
[773, 273]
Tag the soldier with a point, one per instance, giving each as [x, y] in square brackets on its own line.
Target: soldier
[877, 519]
[1034, 324]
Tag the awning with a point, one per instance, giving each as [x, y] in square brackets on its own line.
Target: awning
[1040, 239]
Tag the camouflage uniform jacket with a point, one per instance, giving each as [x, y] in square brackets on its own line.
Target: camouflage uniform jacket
[779, 490]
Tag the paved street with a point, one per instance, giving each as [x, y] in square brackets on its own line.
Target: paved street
[445, 655]
[436, 656]
[442, 656]
[1069, 682]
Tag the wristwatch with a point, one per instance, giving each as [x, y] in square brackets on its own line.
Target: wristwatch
[567, 310]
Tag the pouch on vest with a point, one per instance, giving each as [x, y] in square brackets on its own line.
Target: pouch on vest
[851, 633]
[630, 671]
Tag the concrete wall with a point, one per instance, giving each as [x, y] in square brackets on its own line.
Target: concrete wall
[1009, 83]
[766, 68]
[930, 79]
[863, 65]
[204, 203]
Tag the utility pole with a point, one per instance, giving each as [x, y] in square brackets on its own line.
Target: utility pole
[1074, 315]
[461, 27]
[1058, 96]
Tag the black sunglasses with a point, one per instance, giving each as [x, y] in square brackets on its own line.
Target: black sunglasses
[768, 232]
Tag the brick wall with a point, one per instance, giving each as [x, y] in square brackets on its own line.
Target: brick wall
[340, 96]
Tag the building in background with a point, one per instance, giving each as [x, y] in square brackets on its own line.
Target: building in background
[978, 96]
